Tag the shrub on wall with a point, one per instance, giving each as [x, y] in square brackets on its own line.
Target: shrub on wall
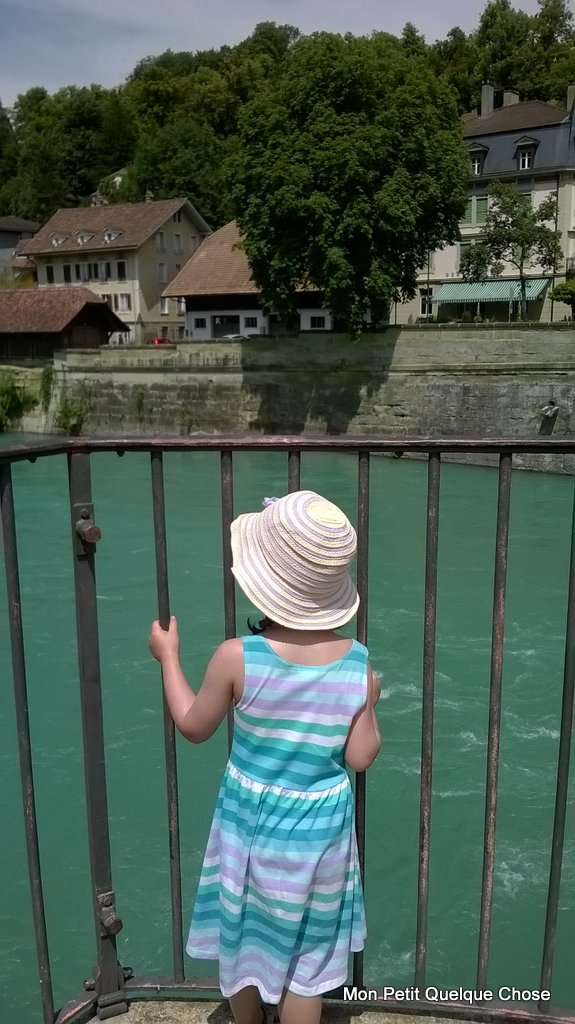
[15, 400]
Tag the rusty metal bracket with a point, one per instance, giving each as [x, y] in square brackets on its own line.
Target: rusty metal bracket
[110, 921]
[87, 534]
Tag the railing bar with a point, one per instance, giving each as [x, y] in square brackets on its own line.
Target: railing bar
[108, 978]
[424, 445]
[294, 470]
[430, 614]
[562, 780]
[362, 581]
[10, 545]
[159, 510]
[227, 489]
[494, 728]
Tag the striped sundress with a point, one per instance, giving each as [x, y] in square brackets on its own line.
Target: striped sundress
[279, 901]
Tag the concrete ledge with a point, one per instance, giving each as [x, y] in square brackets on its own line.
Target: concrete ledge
[199, 1012]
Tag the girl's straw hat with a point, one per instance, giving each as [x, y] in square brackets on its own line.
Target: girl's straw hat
[292, 561]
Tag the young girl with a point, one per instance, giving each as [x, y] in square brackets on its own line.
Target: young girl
[280, 902]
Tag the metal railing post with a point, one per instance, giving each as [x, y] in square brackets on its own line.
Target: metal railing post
[362, 578]
[494, 727]
[24, 743]
[159, 510]
[429, 629]
[109, 977]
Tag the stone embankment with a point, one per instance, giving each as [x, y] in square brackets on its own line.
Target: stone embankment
[494, 382]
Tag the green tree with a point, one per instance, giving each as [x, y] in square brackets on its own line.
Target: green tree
[350, 169]
[503, 39]
[517, 234]
[182, 159]
[457, 58]
[565, 292]
[8, 154]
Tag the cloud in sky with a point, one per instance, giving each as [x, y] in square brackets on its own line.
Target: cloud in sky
[76, 42]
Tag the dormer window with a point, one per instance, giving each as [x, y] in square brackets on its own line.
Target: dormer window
[525, 153]
[110, 236]
[477, 156]
[56, 239]
[82, 237]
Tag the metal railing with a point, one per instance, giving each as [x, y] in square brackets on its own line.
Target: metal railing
[113, 987]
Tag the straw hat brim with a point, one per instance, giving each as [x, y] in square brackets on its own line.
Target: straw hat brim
[275, 597]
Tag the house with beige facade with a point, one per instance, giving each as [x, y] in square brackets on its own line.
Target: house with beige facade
[531, 145]
[222, 298]
[127, 253]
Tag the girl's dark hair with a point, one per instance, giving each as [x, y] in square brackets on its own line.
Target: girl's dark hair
[261, 626]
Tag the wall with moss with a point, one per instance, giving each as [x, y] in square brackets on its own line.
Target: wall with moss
[437, 381]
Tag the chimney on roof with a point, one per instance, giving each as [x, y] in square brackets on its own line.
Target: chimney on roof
[570, 96]
[510, 97]
[487, 99]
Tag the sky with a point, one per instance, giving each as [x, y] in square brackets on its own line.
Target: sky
[77, 42]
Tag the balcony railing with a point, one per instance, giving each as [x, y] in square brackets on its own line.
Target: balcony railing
[113, 987]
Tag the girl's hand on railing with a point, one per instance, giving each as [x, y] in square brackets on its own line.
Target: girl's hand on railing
[164, 643]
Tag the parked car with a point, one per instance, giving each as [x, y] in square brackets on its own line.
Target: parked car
[234, 337]
[163, 341]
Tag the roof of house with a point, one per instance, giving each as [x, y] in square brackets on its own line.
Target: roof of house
[17, 224]
[110, 226]
[515, 117]
[218, 267]
[50, 310]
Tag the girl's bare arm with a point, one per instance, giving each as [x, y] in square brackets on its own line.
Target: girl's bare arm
[196, 715]
[364, 738]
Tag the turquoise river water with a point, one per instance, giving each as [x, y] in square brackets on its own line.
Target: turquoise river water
[533, 667]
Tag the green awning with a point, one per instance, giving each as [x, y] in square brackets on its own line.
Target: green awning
[497, 290]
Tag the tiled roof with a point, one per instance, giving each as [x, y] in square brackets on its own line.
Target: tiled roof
[127, 226]
[219, 267]
[515, 117]
[17, 224]
[49, 310]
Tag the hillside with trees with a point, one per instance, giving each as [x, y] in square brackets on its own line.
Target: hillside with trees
[174, 122]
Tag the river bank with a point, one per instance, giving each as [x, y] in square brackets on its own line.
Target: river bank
[437, 382]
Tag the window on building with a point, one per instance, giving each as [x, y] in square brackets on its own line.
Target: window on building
[178, 267]
[200, 323]
[317, 323]
[468, 215]
[161, 241]
[525, 159]
[178, 243]
[82, 272]
[177, 218]
[193, 242]
[476, 164]
[463, 246]
[164, 306]
[181, 332]
[122, 302]
[106, 296]
[105, 271]
[425, 306]
[94, 271]
[162, 273]
[67, 271]
[121, 270]
[49, 274]
[181, 306]
[250, 321]
[480, 209]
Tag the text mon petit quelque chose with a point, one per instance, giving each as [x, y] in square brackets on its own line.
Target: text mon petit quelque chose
[432, 994]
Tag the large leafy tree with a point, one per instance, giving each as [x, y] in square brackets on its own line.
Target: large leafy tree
[349, 171]
[517, 234]
[182, 159]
